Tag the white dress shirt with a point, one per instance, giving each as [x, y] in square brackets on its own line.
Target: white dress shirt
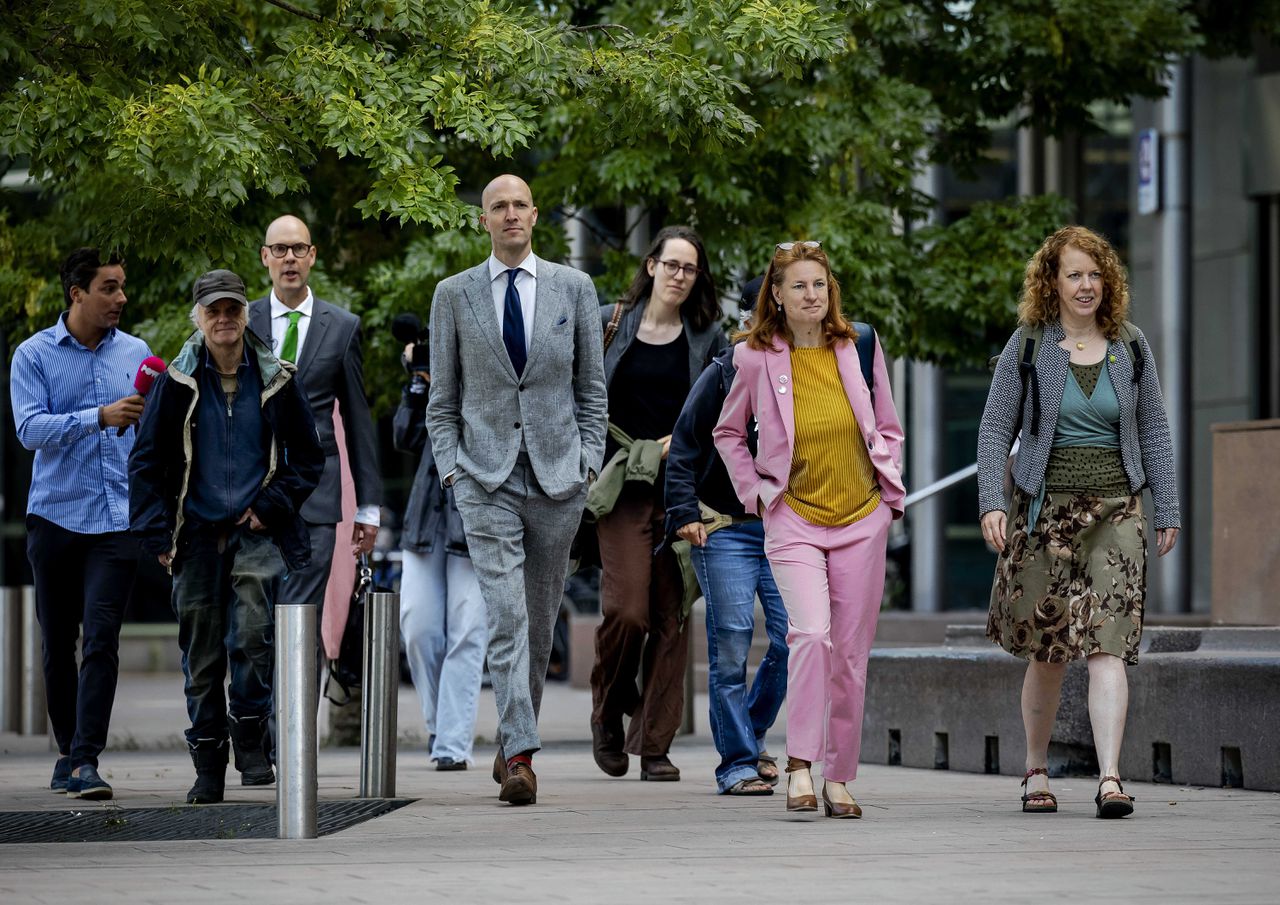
[526, 286]
[366, 514]
[280, 322]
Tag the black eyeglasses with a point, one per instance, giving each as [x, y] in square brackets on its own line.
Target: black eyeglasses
[787, 246]
[280, 249]
[674, 267]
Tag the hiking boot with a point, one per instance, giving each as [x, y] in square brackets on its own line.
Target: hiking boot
[606, 748]
[210, 760]
[248, 739]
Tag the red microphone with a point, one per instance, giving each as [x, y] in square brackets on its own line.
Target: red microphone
[151, 368]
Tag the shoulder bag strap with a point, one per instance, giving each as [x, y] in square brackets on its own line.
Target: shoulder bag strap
[611, 330]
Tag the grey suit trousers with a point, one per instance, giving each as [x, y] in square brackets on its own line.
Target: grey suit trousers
[519, 541]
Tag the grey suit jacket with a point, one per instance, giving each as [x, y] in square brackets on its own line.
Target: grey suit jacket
[479, 409]
[331, 367]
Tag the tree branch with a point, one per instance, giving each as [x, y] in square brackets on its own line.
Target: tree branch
[290, 8]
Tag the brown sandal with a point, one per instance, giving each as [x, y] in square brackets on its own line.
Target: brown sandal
[767, 768]
[1051, 807]
[1113, 804]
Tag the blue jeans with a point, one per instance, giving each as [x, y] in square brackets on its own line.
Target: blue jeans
[732, 571]
[445, 627]
[225, 583]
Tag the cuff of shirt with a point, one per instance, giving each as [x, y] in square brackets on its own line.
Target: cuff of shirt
[368, 515]
[89, 421]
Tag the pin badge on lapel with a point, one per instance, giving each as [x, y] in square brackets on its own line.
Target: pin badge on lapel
[782, 379]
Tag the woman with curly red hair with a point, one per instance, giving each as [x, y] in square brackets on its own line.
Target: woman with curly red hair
[826, 481]
[1077, 385]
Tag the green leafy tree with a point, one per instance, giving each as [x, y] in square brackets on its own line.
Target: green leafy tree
[174, 130]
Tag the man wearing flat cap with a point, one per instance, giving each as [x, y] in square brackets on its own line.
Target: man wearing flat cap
[226, 454]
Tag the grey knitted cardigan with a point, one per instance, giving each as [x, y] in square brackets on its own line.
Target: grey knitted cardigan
[1145, 446]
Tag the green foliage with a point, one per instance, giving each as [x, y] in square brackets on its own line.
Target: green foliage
[174, 130]
[967, 291]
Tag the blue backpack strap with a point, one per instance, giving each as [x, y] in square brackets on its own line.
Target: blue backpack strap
[866, 346]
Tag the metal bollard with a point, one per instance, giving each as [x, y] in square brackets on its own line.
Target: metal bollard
[295, 702]
[11, 660]
[35, 712]
[380, 695]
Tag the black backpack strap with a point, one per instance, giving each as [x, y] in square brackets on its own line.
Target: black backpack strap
[1031, 338]
[866, 346]
[1129, 335]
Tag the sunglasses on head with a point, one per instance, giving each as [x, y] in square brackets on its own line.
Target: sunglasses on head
[787, 246]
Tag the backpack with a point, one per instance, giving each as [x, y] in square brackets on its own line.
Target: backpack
[1031, 339]
[866, 346]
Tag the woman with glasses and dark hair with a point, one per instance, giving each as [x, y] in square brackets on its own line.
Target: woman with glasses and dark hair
[659, 337]
[826, 480]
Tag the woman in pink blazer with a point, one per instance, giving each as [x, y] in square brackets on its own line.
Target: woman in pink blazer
[827, 482]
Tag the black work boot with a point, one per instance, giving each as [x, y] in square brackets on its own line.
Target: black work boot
[210, 759]
[248, 738]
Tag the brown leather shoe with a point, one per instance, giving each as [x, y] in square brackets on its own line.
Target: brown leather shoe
[838, 808]
[807, 802]
[606, 748]
[520, 786]
[659, 769]
[499, 767]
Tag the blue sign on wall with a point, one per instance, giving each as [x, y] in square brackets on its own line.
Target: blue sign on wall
[1148, 171]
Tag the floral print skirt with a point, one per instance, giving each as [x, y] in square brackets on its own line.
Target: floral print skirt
[1075, 585]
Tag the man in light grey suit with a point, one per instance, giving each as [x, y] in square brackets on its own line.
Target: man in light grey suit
[517, 418]
[324, 341]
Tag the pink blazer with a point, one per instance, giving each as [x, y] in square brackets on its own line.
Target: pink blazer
[763, 388]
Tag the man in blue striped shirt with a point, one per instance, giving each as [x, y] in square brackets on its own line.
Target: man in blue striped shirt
[74, 405]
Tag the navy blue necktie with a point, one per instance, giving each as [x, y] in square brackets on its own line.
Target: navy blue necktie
[513, 324]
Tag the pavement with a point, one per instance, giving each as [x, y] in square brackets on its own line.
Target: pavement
[927, 835]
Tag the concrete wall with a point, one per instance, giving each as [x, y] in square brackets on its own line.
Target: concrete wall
[1246, 548]
[1204, 709]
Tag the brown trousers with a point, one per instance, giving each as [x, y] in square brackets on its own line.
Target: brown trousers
[640, 599]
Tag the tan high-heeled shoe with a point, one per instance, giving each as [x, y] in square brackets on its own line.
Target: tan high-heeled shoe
[838, 808]
[807, 802]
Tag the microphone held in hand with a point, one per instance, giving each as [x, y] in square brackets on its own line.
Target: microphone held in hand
[152, 367]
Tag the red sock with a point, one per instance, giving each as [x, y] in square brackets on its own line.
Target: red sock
[526, 759]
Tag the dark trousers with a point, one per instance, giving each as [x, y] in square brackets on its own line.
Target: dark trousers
[225, 583]
[640, 596]
[80, 578]
[309, 585]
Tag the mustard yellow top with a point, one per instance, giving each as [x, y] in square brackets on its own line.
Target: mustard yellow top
[832, 479]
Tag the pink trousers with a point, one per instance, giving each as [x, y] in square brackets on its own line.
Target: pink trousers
[831, 580]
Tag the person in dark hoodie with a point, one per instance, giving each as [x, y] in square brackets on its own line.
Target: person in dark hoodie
[226, 454]
[728, 557]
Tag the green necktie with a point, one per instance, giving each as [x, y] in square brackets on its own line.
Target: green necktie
[289, 351]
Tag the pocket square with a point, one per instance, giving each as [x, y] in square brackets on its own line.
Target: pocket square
[564, 319]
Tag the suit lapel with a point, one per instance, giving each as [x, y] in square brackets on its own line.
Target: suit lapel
[315, 336]
[479, 295]
[260, 320]
[545, 310]
[777, 364]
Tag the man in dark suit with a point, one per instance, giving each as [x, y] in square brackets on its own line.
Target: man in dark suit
[324, 342]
